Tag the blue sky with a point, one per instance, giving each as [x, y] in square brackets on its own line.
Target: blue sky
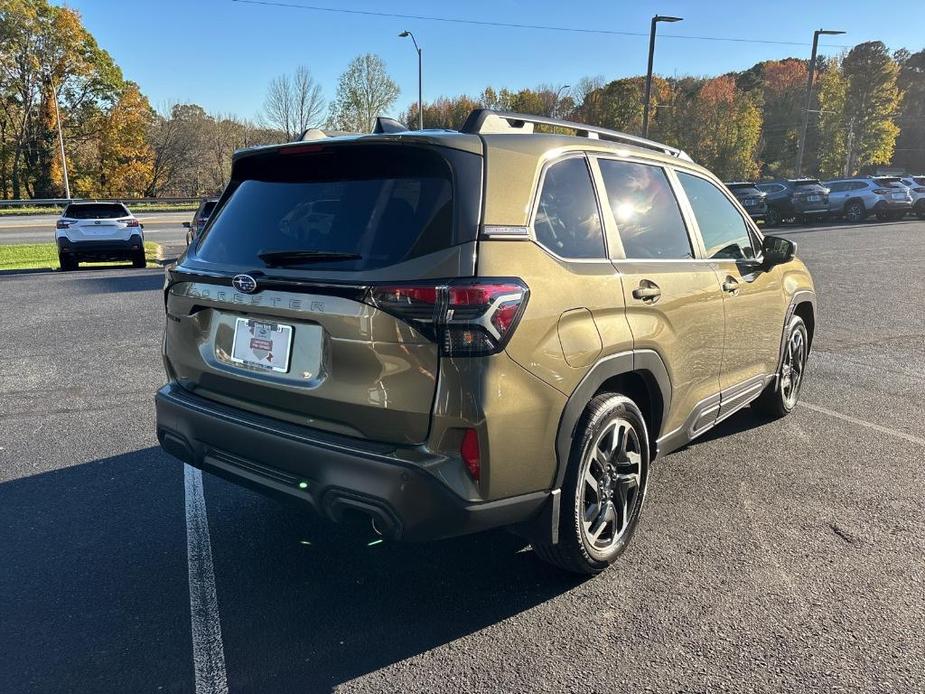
[221, 53]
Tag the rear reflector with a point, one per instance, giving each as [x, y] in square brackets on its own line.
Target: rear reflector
[469, 450]
[465, 317]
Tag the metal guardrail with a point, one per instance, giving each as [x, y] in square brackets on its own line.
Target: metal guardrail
[61, 202]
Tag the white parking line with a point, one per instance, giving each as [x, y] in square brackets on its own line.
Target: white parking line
[863, 423]
[208, 651]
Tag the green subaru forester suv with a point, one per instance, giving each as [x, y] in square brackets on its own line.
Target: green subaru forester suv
[453, 331]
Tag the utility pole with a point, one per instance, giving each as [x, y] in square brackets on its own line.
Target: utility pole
[67, 186]
[807, 101]
[645, 108]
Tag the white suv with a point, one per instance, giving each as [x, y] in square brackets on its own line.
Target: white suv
[99, 231]
[916, 186]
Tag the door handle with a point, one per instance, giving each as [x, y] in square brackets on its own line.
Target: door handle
[647, 291]
[731, 285]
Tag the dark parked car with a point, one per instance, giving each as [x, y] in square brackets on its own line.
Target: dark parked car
[795, 199]
[753, 200]
[195, 227]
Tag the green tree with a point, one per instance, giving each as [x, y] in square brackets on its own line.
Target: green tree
[364, 91]
[910, 147]
[858, 127]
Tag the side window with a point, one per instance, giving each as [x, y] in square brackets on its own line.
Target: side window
[837, 187]
[567, 219]
[724, 231]
[646, 210]
[860, 185]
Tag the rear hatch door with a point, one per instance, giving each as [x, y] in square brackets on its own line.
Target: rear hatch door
[269, 309]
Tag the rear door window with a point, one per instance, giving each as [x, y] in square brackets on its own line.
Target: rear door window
[646, 211]
[725, 232]
[373, 206]
[567, 220]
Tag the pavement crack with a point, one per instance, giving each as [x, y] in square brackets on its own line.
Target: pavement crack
[849, 538]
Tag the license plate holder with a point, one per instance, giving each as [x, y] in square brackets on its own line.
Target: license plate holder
[262, 344]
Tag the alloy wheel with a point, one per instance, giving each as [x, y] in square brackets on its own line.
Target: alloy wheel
[791, 377]
[610, 485]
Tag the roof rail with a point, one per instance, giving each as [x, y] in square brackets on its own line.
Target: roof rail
[486, 120]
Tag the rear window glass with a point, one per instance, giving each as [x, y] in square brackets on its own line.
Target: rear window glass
[96, 211]
[919, 180]
[383, 204]
[889, 183]
[745, 191]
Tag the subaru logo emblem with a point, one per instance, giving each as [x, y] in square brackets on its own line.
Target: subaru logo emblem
[244, 283]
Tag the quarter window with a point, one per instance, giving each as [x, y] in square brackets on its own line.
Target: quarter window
[567, 219]
[725, 232]
[646, 211]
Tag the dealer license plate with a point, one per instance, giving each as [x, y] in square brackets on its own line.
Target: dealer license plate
[262, 344]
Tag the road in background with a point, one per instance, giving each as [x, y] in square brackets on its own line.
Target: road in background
[782, 556]
[166, 227]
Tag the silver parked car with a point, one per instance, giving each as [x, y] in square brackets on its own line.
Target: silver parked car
[916, 186]
[856, 198]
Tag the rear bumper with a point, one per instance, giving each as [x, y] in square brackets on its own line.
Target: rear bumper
[105, 249]
[893, 206]
[332, 475]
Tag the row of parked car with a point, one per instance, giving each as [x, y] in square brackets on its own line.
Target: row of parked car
[806, 200]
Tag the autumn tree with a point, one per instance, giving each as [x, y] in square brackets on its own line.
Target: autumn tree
[364, 91]
[723, 129]
[126, 158]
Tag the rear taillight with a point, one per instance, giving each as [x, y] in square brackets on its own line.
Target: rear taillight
[919, 190]
[469, 451]
[466, 318]
[62, 224]
[882, 191]
[132, 223]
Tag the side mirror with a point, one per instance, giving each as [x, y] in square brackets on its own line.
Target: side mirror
[777, 251]
[186, 225]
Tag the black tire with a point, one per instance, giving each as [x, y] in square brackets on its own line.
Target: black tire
[66, 262]
[618, 473]
[882, 216]
[139, 260]
[855, 212]
[783, 393]
[919, 210]
[772, 217]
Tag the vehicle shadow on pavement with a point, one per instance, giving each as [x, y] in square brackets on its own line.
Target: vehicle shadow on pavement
[94, 592]
[93, 585]
[138, 281]
[308, 617]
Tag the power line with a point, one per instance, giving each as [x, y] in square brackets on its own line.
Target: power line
[512, 25]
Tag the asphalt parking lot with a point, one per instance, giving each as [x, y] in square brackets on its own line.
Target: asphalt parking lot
[785, 556]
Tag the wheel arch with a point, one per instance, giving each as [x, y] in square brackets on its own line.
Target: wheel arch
[803, 304]
[640, 375]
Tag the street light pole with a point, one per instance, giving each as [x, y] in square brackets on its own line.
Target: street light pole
[807, 101]
[645, 108]
[420, 79]
[67, 186]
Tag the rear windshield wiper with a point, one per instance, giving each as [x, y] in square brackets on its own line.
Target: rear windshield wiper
[281, 258]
